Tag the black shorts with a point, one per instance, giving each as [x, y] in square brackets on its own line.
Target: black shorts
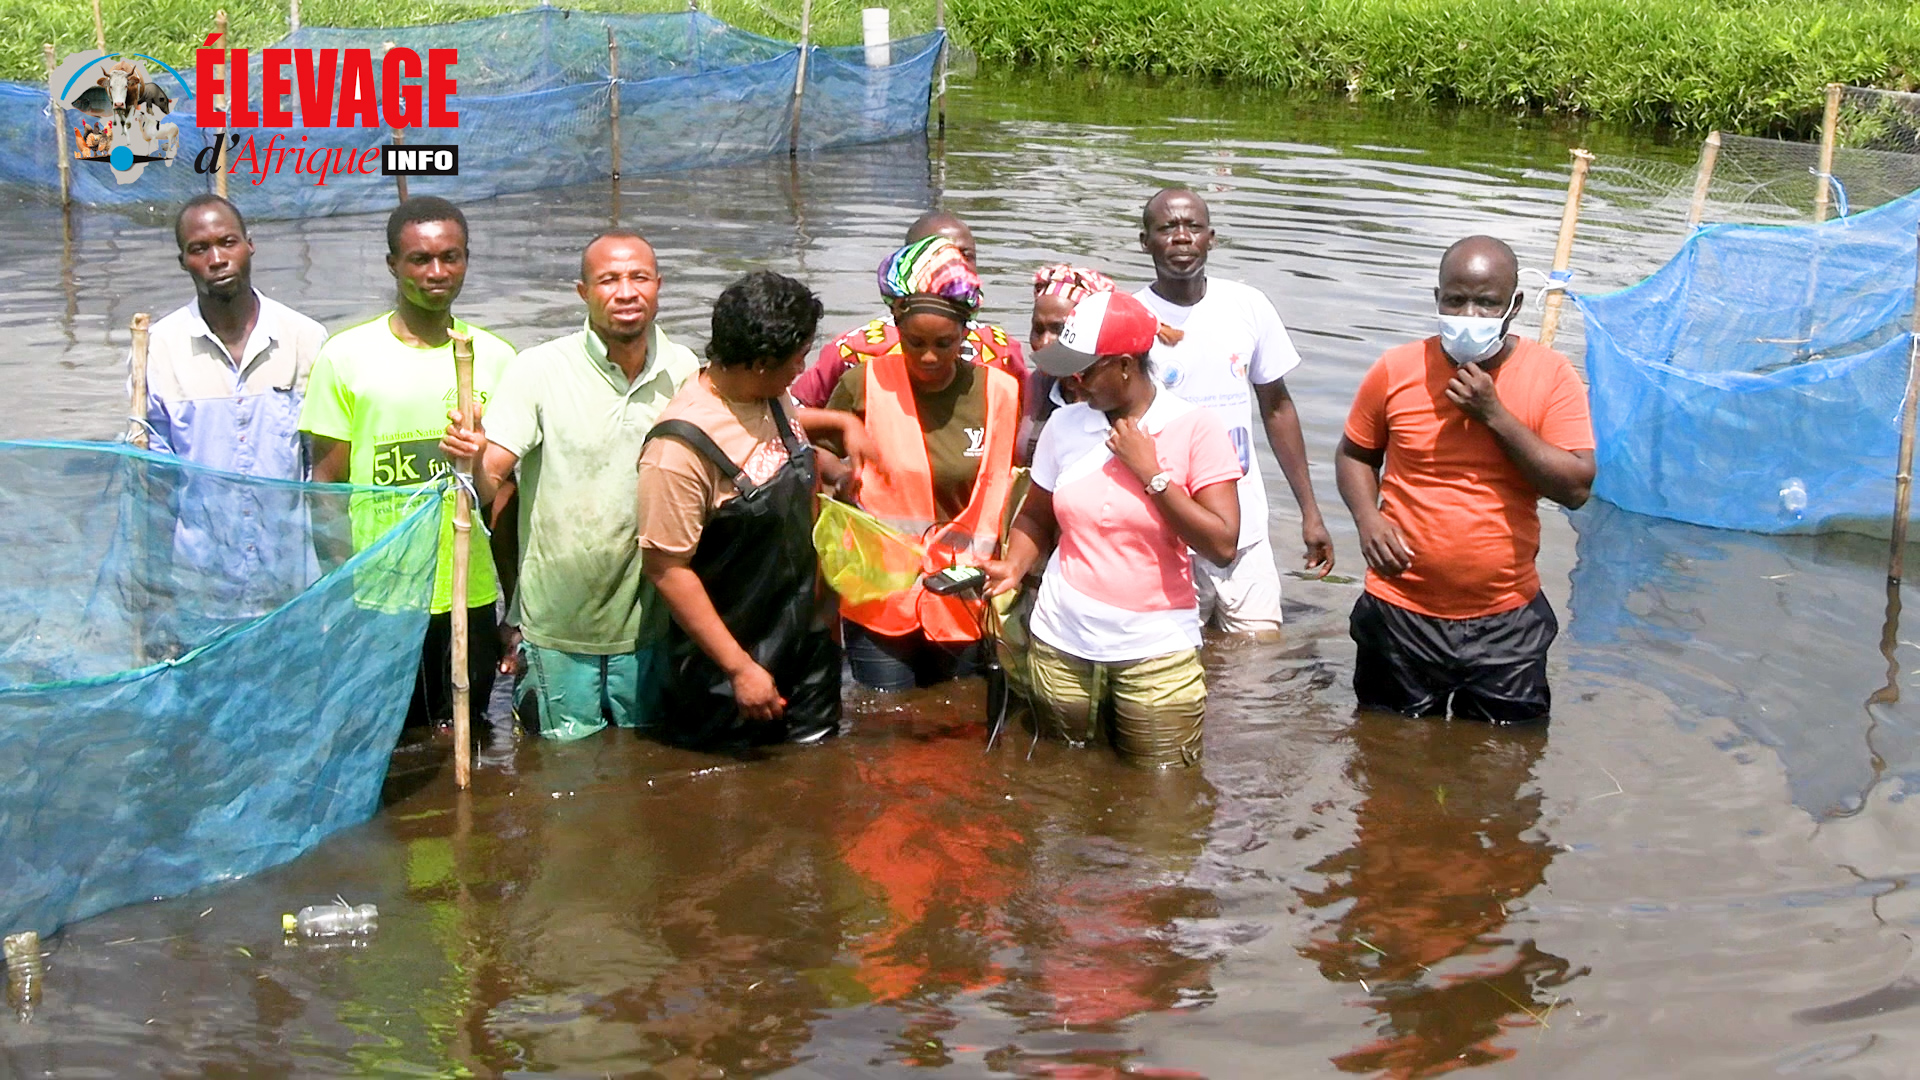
[1492, 668]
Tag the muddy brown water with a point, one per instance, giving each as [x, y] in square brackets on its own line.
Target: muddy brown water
[1701, 869]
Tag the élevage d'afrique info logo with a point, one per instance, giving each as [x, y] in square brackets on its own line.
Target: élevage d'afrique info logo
[121, 105]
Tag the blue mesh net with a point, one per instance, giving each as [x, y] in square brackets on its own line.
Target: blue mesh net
[535, 103]
[1755, 382]
[186, 698]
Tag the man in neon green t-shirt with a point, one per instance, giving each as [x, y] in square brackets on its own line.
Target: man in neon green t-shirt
[377, 402]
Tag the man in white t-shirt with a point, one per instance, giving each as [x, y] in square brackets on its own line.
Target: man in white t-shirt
[1232, 351]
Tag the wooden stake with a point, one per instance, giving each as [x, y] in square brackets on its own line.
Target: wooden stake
[293, 16]
[400, 179]
[137, 403]
[940, 91]
[1903, 478]
[613, 80]
[1709, 156]
[99, 28]
[220, 103]
[1563, 248]
[800, 78]
[462, 554]
[1829, 128]
[60, 133]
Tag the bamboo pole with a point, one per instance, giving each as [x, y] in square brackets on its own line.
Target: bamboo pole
[99, 28]
[613, 81]
[400, 179]
[1703, 178]
[1563, 248]
[220, 103]
[462, 554]
[137, 382]
[1829, 128]
[800, 78]
[293, 16]
[1903, 478]
[940, 91]
[60, 132]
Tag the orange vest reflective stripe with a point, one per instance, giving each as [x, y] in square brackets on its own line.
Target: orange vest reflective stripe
[902, 496]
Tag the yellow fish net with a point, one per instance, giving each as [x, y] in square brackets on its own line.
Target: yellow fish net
[862, 558]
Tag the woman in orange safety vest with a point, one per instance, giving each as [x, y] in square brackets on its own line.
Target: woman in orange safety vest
[940, 468]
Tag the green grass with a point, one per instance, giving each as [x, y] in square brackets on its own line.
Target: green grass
[1755, 66]
[171, 30]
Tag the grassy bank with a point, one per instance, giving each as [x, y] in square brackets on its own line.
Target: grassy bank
[1755, 66]
[171, 29]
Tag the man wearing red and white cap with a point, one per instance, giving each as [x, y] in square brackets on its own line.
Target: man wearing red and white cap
[1126, 481]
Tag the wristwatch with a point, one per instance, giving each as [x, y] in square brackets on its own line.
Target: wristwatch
[1159, 482]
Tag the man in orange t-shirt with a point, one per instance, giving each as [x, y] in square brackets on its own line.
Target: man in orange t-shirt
[1473, 426]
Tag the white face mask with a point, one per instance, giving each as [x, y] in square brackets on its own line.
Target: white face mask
[1468, 339]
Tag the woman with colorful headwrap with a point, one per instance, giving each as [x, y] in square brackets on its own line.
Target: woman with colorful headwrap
[939, 466]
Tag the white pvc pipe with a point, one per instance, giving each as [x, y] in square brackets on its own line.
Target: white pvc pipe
[877, 32]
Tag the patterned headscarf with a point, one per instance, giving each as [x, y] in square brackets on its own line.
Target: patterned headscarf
[930, 275]
[1076, 283]
[1070, 282]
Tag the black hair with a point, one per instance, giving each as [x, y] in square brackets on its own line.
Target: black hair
[420, 209]
[609, 234]
[199, 202]
[762, 320]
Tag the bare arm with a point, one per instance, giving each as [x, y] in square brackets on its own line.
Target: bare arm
[1282, 420]
[686, 596]
[1565, 476]
[1356, 470]
[332, 532]
[1031, 538]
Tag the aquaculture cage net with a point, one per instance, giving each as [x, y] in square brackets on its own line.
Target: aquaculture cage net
[1876, 160]
[535, 110]
[1756, 381]
[199, 678]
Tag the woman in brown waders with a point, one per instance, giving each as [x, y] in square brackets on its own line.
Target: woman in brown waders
[726, 521]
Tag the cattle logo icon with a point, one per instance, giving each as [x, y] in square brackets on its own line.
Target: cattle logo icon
[122, 109]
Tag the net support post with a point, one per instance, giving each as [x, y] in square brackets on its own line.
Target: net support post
[1903, 477]
[1829, 129]
[613, 84]
[220, 103]
[876, 34]
[400, 179]
[293, 16]
[940, 76]
[140, 328]
[62, 158]
[99, 28]
[1563, 247]
[800, 77]
[462, 557]
[1703, 179]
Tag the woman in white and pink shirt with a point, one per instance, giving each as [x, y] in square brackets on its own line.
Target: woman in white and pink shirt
[1125, 481]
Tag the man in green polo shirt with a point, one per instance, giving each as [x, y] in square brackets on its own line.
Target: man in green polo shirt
[376, 402]
[572, 414]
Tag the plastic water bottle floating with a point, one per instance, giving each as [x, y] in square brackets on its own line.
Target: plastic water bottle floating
[1793, 497]
[24, 970]
[332, 920]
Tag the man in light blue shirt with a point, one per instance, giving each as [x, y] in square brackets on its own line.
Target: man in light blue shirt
[225, 376]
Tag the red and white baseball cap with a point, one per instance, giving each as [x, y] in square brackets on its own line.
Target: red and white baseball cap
[1101, 324]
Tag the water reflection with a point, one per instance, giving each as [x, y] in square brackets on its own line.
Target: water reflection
[1697, 613]
[1445, 841]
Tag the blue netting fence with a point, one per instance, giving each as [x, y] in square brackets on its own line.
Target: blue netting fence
[186, 697]
[1756, 381]
[535, 107]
